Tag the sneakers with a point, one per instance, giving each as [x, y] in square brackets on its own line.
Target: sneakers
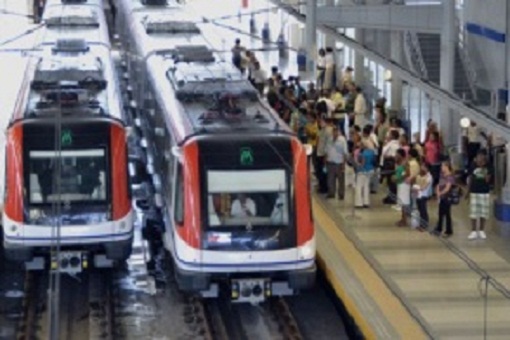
[477, 234]
[473, 235]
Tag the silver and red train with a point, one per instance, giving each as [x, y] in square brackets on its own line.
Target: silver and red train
[66, 179]
[231, 179]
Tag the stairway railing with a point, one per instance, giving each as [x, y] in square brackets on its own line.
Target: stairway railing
[469, 68]
[414, 55]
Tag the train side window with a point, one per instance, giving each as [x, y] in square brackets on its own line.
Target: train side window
[179, 196]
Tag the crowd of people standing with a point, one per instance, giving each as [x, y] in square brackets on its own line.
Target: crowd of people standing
[332, 115]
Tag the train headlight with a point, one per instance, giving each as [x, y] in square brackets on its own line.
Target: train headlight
[234, 290]
[122, 225]
[307, 252]
[267, 288]
[84, 261]
[54, 264]
[35, 214]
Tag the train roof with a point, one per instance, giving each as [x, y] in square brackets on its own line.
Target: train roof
[98, 3]
[209, 98]
[157, 32]
[130, 6]
[86, 22]
[200, 91]
[72, 16]
[74, 79]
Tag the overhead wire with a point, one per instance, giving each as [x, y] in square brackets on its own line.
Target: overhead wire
[22, 35]
[7, 12]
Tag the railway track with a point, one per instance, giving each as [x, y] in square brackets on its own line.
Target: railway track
[101, 303]
[30, 318]
[271, 320]
[86, 308]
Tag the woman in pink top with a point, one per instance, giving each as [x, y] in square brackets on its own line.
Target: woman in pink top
[432, 152]
[404, 144]
[433, 129]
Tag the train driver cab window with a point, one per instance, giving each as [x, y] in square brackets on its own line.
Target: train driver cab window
[82, 176]
[247, 198]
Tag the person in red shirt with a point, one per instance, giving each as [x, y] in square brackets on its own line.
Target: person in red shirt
[432, 155]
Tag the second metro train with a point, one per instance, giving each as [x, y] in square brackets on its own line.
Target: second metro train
[232, 178]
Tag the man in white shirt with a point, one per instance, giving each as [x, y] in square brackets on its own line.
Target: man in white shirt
[330, 105]
[336, 152]
[243, 206]
[389, 149]
[330, 72]
[259, 77]
[387, 162]
[360, 108]
[321, 68]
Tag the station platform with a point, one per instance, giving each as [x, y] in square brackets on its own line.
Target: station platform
[439, 283]
[397, 283]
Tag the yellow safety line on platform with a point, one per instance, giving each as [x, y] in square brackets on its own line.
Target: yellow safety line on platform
[396, 314]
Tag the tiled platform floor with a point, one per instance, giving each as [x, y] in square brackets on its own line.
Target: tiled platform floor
[432, 276]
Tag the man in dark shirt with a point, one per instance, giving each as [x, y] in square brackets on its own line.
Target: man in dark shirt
[479, 195]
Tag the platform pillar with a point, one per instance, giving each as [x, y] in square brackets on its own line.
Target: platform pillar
[311, 34]
[449, 120]
[502, 203]
[359, 59]
[396, 82]
[253, 25]
[329, 40]
[266, 33]
[507, 52]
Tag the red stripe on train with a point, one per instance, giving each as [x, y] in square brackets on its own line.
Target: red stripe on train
[304, 222]
[13, 206]
[121, 202]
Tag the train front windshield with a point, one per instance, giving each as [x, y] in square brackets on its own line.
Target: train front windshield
[82, 176]
[247, 199]
[80, 185]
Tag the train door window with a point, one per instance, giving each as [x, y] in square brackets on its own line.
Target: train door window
[179, 196]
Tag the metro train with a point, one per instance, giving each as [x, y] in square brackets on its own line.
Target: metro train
[67, 180]
[231, 180]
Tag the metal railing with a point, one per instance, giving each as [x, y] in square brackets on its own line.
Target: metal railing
[413, 52]
[465, 59]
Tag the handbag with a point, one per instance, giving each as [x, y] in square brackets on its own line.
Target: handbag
[454, 195]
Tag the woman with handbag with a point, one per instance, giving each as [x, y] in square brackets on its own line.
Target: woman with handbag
[446, 183]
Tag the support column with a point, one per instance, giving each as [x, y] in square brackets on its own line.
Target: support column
[330, 40]
[311, 34]
[505, 193]
[396, 82]
[359, 59]
[449, 121]
[507, 55]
